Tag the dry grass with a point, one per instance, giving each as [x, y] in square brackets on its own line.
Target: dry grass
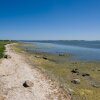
[61, 72]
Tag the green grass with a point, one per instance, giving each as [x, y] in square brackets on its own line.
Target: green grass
[2, 46]
[60, 71]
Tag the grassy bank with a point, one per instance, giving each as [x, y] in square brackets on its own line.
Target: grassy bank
[2, 46]
[89, 87]
[64, 72]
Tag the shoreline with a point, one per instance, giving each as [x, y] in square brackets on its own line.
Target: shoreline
[65, 72]
[15, 71]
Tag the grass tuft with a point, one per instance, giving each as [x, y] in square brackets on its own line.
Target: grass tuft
[2, 46]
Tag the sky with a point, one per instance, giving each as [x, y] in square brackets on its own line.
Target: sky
[50, 19]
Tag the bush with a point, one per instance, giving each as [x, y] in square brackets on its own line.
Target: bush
[2, 46]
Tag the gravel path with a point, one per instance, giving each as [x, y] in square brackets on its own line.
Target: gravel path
[15, 71]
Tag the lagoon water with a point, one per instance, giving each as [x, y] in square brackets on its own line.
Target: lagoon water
[80, 52]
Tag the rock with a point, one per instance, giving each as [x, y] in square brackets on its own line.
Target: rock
[45, 58]
[28, 84]
[75, 71]
[37, 56]
[76, 81]
[85, 74]
[7, 56]
[61, 55]
[96, 85]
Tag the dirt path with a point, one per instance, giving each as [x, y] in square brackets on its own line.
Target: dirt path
[15, 71]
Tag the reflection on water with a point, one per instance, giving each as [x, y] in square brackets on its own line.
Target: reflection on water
[81, 53]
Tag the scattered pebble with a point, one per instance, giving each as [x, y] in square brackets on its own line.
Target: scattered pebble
[85, 74]
[76, 81]
[75, 71]
[28, 84]
[37, 56]
[61, 55]
[96, 85]
[45, 58]
[98, 69]
[7, 56]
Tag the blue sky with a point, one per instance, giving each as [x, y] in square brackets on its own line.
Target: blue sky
[50, 19]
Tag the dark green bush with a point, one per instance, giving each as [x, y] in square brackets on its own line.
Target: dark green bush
[2, 46]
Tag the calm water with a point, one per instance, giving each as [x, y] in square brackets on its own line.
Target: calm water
[82, 51]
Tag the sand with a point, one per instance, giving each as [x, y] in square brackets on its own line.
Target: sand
[15, 71]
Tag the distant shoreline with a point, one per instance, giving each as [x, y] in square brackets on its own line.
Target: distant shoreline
[63, 73]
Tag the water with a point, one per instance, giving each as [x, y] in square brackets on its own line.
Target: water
[81, 50]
